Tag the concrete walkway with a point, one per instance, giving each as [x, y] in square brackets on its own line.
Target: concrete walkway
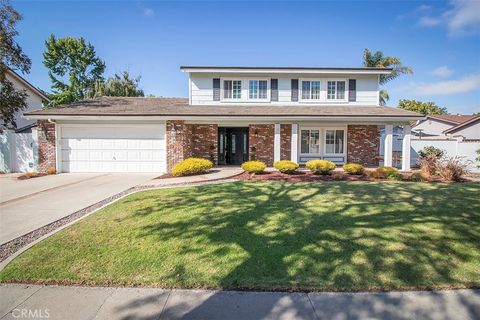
[146, 303]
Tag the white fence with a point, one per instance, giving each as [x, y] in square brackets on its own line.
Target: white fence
[18, 151]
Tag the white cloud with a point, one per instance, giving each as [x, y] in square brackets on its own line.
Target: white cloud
[148, 12]
[429, 21]
[442, 72]
[451, 87]
[464, 18]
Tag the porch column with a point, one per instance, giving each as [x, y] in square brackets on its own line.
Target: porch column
[387, 157]
[406, 148]
[294, 148]
[276, 143]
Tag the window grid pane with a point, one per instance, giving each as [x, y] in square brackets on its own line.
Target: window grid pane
[331, 90]
[305, 89]
[340, 89]
[227, 89]
[253, 89]
[262, 89]
[339, 141]
[315, 94]
[237, 89]
[314, 141]
[305, 137]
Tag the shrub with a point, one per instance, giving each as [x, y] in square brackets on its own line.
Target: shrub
[382, 172]
[428, 159]
[254, 166]
[452, 168]
[387, 170]
[395, 175]
[285, 166]
[320, 166]
[353, 168]
[416, 177]
[431, 150]
[192, 166]
[51, 170]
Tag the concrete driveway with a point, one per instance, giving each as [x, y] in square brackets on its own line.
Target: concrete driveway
[26, 205]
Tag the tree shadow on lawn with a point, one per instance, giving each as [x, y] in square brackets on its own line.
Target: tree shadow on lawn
[364, 236]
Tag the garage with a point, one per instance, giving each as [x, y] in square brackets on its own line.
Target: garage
[112, 148]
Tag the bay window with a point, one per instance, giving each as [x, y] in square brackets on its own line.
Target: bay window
[335, 90]
[334, 141]
[310, 89]
[257, 89]
[232, 89]
[310, 142]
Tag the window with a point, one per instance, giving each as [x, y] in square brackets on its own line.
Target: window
[311, 90]
[336, 90]
[232, 89]
[310, 141]
[334, 141]
[257, 89]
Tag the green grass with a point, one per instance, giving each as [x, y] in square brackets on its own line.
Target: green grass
[270, 235]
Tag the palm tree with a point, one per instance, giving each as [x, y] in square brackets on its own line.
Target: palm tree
[378, 60]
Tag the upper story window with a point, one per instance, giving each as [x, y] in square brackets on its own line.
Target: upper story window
[257, 89]
[335, 90]
[310, 89]
[232, 89]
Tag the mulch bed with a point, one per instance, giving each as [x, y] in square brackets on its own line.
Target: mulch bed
[169, 175]
[31, 175]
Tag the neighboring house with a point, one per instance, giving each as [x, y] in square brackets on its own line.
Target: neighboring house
[232, 114]
[439, 126]
[467, 130]
[18, 147]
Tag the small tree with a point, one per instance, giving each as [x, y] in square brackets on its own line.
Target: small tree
[428, 160]
[120, 85]
[424, 108]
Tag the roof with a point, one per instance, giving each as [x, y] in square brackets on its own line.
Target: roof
[472, 120]
[454, 119]
[140, 106]
[28, 84]
[245, 69]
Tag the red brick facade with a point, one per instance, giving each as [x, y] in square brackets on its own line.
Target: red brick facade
[46, 146]
[178, 142]
[285, 141]
[363, 143]
[204, 141]
[260, 138]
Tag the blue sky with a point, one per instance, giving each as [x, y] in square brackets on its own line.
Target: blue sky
[439, 40]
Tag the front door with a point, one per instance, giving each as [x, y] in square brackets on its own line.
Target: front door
[232, 145]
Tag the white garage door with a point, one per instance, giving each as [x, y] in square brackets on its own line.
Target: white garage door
[113, 148]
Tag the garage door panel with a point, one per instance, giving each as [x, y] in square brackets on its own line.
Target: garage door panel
[103, 149]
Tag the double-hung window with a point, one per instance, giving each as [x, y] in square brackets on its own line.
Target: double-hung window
[310, 89]
[335, 90]
[334, 141]
[310, 142]
[257, 89]
[232, 89]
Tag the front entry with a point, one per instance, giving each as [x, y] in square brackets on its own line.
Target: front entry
[232, 145]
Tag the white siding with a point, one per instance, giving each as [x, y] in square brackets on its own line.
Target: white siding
[202, 88]
[432, 127]
[471, 132]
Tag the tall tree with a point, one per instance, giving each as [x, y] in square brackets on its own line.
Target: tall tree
[74, 68]
[378, 60]
[11, 57]
[424, 108]
[120, 85]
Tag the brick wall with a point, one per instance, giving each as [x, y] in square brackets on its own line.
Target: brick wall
[285, 141]
[261, 142]
[204, 141]
[46, 146]
[362, 144]
[178, 142]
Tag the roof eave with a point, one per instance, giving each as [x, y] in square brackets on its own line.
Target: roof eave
[283, 70]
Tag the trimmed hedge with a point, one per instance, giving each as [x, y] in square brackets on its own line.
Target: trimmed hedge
[320, 166]
[353, 168]
[192, 166]
[254, 166]
[286, 166]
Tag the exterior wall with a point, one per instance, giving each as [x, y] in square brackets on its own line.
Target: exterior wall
[34, 102]
[201, 88]
[432, 127]
[204, 141]
[261, 138]
[285, 141]
[178, 142]
[469, 132]
[46, 146]
[363, 144]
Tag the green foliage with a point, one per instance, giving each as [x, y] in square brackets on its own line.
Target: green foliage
[120, 85]
[382, 172]
[378, 60]
[478, 157]
[353, 168]
[11, 57]
[416, 177]
[320, 166]
[424, 108]
[73, 67]
[431, 150]
[428, 159]
[192, 166]
[286, 166]
[254, 166]
[395, 175]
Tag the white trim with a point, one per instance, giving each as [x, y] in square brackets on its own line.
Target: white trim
[276, 143]
[406, 147]
[283, 71]
[344, 129]
[222, 91]
[58, 148]
[294, 142]
[267, 99]
[346, 92]
[387, 158]
[300, 89]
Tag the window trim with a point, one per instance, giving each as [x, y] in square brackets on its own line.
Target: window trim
[267, 98]
[320, 135]
[300, 89]
[344, 129]
[346, 92]
[322, 141]
[222, 83]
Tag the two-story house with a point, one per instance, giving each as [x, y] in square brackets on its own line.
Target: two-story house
[232, 114]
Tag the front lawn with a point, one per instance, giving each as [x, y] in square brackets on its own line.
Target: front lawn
[271, 235]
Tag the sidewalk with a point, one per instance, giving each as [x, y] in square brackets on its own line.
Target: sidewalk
[148, 303]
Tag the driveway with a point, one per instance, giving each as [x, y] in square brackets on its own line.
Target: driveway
[26, 205]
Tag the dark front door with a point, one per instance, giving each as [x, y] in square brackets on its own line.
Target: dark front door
[232, 145]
